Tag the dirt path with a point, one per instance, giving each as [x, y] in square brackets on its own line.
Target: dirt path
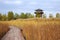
[13, 34]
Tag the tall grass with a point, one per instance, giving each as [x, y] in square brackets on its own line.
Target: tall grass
[38, 29]
[3, 29]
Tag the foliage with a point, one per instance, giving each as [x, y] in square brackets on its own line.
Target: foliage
[4, 17]
[0, 16]
[26, 15]
[44, 15]
[37, 15]
[23, 16]
[50, 16]
[10, 15]
[57, 15]
[16, 16]
[29, 15]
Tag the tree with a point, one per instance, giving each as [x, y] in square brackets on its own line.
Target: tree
[10, 15]
[0, 16]
[23, 16]
[29, 15]
[50, 16]
[26, 15]
[16, 16]
[4, 17]
[44, 15]
[57, 15]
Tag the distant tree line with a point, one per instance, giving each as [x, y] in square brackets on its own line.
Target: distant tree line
[51, 16]
[14, 16]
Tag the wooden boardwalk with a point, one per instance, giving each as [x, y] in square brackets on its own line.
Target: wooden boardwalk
[13, 34]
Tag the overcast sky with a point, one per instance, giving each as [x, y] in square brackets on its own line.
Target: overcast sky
[18, 6]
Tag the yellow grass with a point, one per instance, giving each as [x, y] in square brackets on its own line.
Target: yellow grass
[38, 29]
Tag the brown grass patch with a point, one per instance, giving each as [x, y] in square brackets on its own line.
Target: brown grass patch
[3, 29]
[39, 29]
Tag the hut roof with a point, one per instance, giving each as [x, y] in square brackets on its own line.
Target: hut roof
[38, 10]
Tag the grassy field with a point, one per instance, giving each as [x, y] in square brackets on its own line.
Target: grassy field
[36, 29]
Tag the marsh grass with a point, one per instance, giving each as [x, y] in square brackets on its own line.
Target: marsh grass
[38, 29]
